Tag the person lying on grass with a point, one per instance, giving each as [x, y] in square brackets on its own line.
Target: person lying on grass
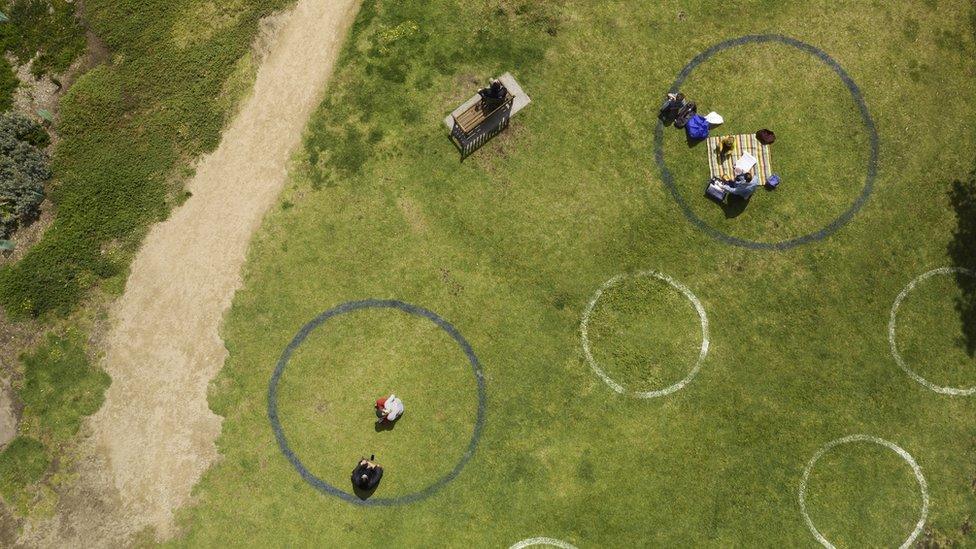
[388, 409]
[367, 474]
[743, 186]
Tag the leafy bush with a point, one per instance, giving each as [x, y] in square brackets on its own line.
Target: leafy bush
[24, 167]
[46, 29]
[962, 251]
[22, 463]
[8, 84]
[61, 387]
[126, 127]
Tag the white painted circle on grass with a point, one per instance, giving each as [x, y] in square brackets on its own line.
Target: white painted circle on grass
[542, 541]
[923, 486]
[584, 331]
[892, 322]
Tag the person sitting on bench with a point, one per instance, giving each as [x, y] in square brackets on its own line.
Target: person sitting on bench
[494, 95]
[743, 186]
[367, 474]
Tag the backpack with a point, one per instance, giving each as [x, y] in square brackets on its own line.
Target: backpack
[684, 115]
[766, 137]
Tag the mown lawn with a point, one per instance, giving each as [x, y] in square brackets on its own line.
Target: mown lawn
[511, 245]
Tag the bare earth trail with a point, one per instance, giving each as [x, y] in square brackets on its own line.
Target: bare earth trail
[155, 435]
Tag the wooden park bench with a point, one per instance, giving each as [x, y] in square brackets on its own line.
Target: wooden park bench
[479, 113]
[476, 121]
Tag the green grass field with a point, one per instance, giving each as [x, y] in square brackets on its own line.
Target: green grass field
[511, 245]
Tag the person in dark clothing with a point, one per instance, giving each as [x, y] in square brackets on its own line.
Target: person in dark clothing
[672, 105]
[495, 90]
[494, 95]
[367, 475]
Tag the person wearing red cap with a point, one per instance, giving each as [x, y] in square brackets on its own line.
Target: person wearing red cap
[389, 409]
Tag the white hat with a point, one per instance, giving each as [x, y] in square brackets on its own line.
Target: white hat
[714, 118]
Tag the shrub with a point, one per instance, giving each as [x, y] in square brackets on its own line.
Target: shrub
[44, 30]
[8, 84]
[61, 386]
[125, 127]
[962, 251]
[24, 168]
[22, 463]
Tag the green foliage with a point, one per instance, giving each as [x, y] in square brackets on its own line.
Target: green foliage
[22, 463]
[8, 84]
[124, 128]
[24, 167]
[61, 386]
[962, 251]
[17, 127]
[47, 29]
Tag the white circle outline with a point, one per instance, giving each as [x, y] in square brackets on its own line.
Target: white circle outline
[542, 541]
[952, 391]
[924, 487]
[584, 331]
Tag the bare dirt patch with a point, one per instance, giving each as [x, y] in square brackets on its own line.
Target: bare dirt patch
[8, 413]
[413, 214]
[154, 436]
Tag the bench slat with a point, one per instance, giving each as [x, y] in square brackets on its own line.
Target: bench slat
[476, 114]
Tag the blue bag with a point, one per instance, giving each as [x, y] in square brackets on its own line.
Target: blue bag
[697, 128]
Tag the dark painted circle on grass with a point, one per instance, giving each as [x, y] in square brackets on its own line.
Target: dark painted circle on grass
[414, 310]
[834, 225]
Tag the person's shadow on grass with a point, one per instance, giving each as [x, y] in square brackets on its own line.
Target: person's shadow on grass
[381, 426]
[734, 206]
[962, 251]
[363, 493]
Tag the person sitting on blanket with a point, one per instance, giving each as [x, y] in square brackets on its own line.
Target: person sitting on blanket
[726, 146]
[743, 186]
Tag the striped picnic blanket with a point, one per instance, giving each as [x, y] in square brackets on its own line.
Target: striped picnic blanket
[744, 143]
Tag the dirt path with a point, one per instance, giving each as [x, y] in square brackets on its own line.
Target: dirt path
[155, 433]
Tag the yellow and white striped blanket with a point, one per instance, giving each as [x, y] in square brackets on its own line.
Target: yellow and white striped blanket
[724, 168]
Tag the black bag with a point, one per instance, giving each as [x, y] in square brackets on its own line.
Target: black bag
[685, 114]
[669, 111]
